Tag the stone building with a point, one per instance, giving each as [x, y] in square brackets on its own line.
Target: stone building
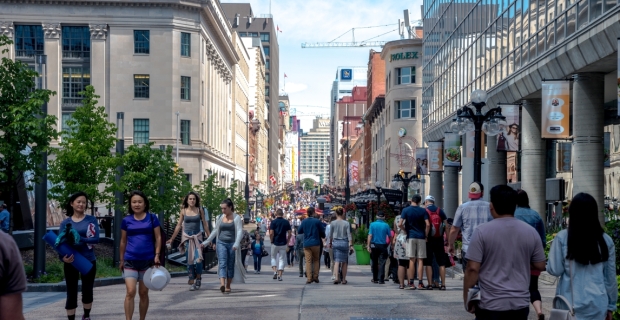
[241, 124]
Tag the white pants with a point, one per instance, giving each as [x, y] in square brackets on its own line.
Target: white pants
[281, 250]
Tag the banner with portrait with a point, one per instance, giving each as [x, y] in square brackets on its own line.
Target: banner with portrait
[421, 161]
[555, 109]
[606, 149]
[452, 150]
[508, 139]
[435, 156]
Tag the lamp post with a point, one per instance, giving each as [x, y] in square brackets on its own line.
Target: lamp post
[492, 123]
[378, 192]
[118, 211]
[40, 205]
[404, 178]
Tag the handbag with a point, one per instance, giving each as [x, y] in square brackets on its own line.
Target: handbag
[562, 314]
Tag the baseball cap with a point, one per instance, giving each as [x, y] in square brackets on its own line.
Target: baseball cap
[475, 191]
[429, 197]
[380, 214]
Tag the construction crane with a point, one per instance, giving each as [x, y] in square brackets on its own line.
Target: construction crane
[402, 26]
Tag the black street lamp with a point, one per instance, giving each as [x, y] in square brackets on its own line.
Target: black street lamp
[378, 192]
[404, 178]
[492, 123]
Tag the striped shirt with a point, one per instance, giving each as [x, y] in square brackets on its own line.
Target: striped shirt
[469, 216]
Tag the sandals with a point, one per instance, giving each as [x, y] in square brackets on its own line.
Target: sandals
[442, 288]
[401, 287]
[374, 281]
[429, 287]
[227, 291]
[344, 281]
[222, 288]
[336, 281]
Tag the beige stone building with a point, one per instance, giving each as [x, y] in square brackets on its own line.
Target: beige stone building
[241, 96]
[183, 50]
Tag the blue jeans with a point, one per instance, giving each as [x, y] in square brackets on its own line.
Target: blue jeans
[257, 261]
[193, 270]
[225, 259]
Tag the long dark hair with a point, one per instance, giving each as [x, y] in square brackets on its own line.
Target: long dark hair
[68, 208]
[229, 204]
[586, 243]
[186, 204]
[523, 200]
[141, 194]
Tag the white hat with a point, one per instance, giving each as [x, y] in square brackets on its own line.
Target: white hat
[156, 278]
[429, 197]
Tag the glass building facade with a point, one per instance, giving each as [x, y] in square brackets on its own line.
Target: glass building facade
[472, 44]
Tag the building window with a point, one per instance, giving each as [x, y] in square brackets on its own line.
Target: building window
[141, 83]
[267, 64]
[266, 91]
[186, 84]
[141, 41]
[186, 41]
[267, 78]
[28, 41]
[140, 131]
[405, 75]
[66, 116]
[74, 81]
[405, 109]
[75, 42]
[266, 51]
[188, 177]
[264, 37]
[185, 125]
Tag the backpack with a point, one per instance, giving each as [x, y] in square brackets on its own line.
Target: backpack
[164, 238]
[436, 223]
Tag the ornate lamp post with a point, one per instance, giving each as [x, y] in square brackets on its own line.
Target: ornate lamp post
[404, 180]
[492, 123]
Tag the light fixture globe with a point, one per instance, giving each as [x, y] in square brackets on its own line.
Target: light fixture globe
[469, 125]
[454, 126]
[478, 96]
[491, 127]
[415, 185]
[378, 184]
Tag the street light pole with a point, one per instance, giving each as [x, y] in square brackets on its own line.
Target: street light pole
[118, 211]
[40, 204]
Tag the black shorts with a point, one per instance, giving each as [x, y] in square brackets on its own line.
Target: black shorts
[435, 249]
[403, 263]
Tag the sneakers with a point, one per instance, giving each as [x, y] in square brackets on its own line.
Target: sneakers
[192, 288]
[258, 272]
[275, 276]
[301, 275]
[279, 278]
[333, 278]
[84, 318]
[197, 284]
[255, 271]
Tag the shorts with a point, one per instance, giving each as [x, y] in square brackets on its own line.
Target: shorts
[136, 268]
[416, 248]
[435, 249]
[403, 263]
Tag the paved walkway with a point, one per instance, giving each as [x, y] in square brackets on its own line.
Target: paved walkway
[261, 297]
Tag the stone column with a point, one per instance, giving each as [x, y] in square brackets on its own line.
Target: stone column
[53, 50]
[497, 164]
[533, 156]
[98, 67]
[436, 187]
[588, 119]
[451, 192]
[6, 29]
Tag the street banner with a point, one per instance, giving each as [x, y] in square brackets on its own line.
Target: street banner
[421, 161]
[273, 179]
[353, 173]
[435, 156]
[452, 150]
[508, 140]
[470, 144]
[564, 156]
[555, 109]
[606, 149]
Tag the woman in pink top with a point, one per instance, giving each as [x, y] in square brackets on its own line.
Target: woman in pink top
[290, 253]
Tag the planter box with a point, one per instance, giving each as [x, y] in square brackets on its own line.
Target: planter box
[361, 255]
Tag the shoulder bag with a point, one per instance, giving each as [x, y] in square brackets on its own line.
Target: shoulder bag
[562, 314]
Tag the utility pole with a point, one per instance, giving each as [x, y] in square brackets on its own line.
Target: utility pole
[40, 205]
[118, 211]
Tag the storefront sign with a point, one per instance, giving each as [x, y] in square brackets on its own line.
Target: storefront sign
[508, 140]
[452, 150]
[435, 156]
[421, 161]
[564, 156]
[555, 109]
[346, 74]
[403, 56]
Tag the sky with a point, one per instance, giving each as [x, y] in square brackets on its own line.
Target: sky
[311, 72]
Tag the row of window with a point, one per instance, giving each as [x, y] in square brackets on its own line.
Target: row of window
[142, 41]
[264, 36]
[141, 87]
[404, 75]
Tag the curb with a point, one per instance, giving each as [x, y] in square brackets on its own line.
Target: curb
[100, 282]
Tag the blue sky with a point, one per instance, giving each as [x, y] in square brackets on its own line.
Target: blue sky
[310, 72]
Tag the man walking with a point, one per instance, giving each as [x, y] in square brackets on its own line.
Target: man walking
[414, 220]
[378, 247]
[13, 279]
[500, 254]
[279, 234]
[468, 217]
[313, 232]
[299, 251]
[434, 245]
[5, 218]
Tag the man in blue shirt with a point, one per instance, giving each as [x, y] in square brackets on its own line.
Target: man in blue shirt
[377, 245]
[313, 232]
[5, 218]
[414, 220]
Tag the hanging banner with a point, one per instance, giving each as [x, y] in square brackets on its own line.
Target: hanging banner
[555, 109]
[421, 161]
[564, 156]
[452, 150]
[470, 144]
[508, 140]
[606, 148]
[435, 156]
[353, 173]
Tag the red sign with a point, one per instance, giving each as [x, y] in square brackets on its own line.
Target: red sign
[272, 179]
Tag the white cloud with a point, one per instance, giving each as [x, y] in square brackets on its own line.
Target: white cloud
[292, 87]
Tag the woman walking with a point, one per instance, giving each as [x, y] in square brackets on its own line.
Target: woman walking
[400, 252]
[191, 218]
[584, 257]
[139, 250]
[341, 242]
[229, 231]
[290, 251]
[257, 251]
[88, 229]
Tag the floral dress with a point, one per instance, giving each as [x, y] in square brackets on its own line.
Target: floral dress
[401, 242]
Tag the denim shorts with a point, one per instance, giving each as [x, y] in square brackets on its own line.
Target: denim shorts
[136, 268]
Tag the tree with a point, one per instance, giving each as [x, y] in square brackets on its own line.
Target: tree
[25, 130]
[307, 184]
[84, 160]
[238, 198]
[211, 194]
[147, 169]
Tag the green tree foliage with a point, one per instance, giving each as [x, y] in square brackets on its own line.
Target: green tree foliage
[25, 131]
[307, 184]
[84, 160]
[238, 198]
[147, 169]
[211, 194]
